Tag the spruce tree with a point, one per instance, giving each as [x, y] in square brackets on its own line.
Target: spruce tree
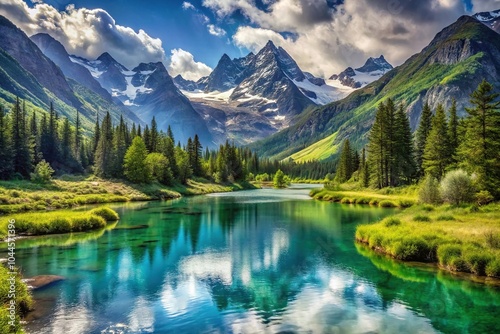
[197, 157]
[146, 136]
[423, 130]
[344, 169]
[377, 148]
[6, 163]
[78, 138]
[35, 140]
[479, 150]
[364, 173]
[103, 164]
[155, 136]
[404, 152]
[66, 143]
[453, 130]
[437, 156]
[119, 148]
[22, 155]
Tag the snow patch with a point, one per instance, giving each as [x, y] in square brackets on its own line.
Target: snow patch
[332, 91]
[212, 96]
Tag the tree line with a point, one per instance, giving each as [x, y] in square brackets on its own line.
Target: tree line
[442, 142]
[138, 154]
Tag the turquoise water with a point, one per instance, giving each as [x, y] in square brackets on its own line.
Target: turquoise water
[270, 261]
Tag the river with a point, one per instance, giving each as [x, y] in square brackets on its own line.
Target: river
[258, 261]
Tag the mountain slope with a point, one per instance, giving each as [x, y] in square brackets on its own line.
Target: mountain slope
[28, 55]
[451, 66]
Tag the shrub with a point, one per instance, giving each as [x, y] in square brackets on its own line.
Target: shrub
[483, 197]
[422, 218]
[446, 252]
[429, 191]
[387, 204]
[492, 239]
[262, 177]
[477, 260]
[457, 187]
[106, 213]
[345, 200]
[362, 200]
[493, 268]
[415, 249]
[60, 225]
[374, 202]
[445, 218]
[43, 172]
[250, 177]
[406, 203]
[428, 208]
[392, 222]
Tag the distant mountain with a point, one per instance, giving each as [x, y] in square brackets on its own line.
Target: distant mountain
[372, 70]
[148, 90]
[451, 66]
[491, 19]
[226, 75]
[187, 85]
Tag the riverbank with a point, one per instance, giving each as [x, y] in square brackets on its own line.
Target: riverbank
[458, 239]
[386, 198]
[65, 193]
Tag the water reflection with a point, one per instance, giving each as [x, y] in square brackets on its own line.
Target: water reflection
[260, 261]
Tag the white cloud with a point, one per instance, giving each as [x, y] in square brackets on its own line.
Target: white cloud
[485, 5]
[325, 40]
[85, 32]
[182, 62]
[216, 31]
[187, 5]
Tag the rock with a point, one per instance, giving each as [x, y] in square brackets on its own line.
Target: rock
[42, 281]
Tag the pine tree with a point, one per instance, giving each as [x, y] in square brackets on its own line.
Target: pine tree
[103, 164]
[436, 156]
[52, 145]
[35, 140]
[364, 172]
[146, 136]
[197, 157]
[183, 167]
[404, 152]
[453, 131]
[155, 136]
[479, 150]
[6, 163]
[78, 138]
[22, 155]
[119, 148]
[135, 166]
[424, 128]
[170, 134]
[344, 169]
[66, 142]
[377, 148]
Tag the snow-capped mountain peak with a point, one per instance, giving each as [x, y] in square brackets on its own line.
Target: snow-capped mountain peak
[491, 19]
[373, 69]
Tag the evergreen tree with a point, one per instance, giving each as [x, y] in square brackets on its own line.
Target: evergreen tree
[424, 128]
[377, 150]
[170, 134]
[135, 167]
[404, 152]
[22, 155]
[364, 172]
[479, 150]
[52, 154]
[436, 156]
[6, 163]
[197, 157]
[103, 164]
[345, 168]
[155, 136]
[78, 138]
[120, 148]
[146, 136]
[453, 130]
[66, 142]
[183, 166]
[35, 140]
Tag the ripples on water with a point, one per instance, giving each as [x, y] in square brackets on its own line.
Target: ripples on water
[270, 261]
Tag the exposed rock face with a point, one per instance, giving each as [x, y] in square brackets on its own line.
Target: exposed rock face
[375, 64]
[373, 69]
[346, 78]
[491, 19]
[184, 84]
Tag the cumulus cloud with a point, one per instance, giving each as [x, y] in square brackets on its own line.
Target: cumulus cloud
[187, 5]
[182, 62]
[485, 5]
[85, 32]
[325, 37]
[216, 31]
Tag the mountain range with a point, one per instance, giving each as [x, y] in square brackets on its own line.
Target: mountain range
[450, 67]
[264, 100]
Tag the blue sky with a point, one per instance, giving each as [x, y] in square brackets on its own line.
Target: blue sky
[323, 36]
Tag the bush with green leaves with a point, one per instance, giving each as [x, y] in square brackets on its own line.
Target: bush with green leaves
[43, 172]
[429, 191]
[262, 177]
[158, 166]
[484, 197]
[457, 187]
[280, 180]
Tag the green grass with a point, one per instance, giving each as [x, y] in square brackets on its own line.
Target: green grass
[72, 191]
[320, 150]
[385, 198]
[453, 237]
[23, 300]
[57, 222]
